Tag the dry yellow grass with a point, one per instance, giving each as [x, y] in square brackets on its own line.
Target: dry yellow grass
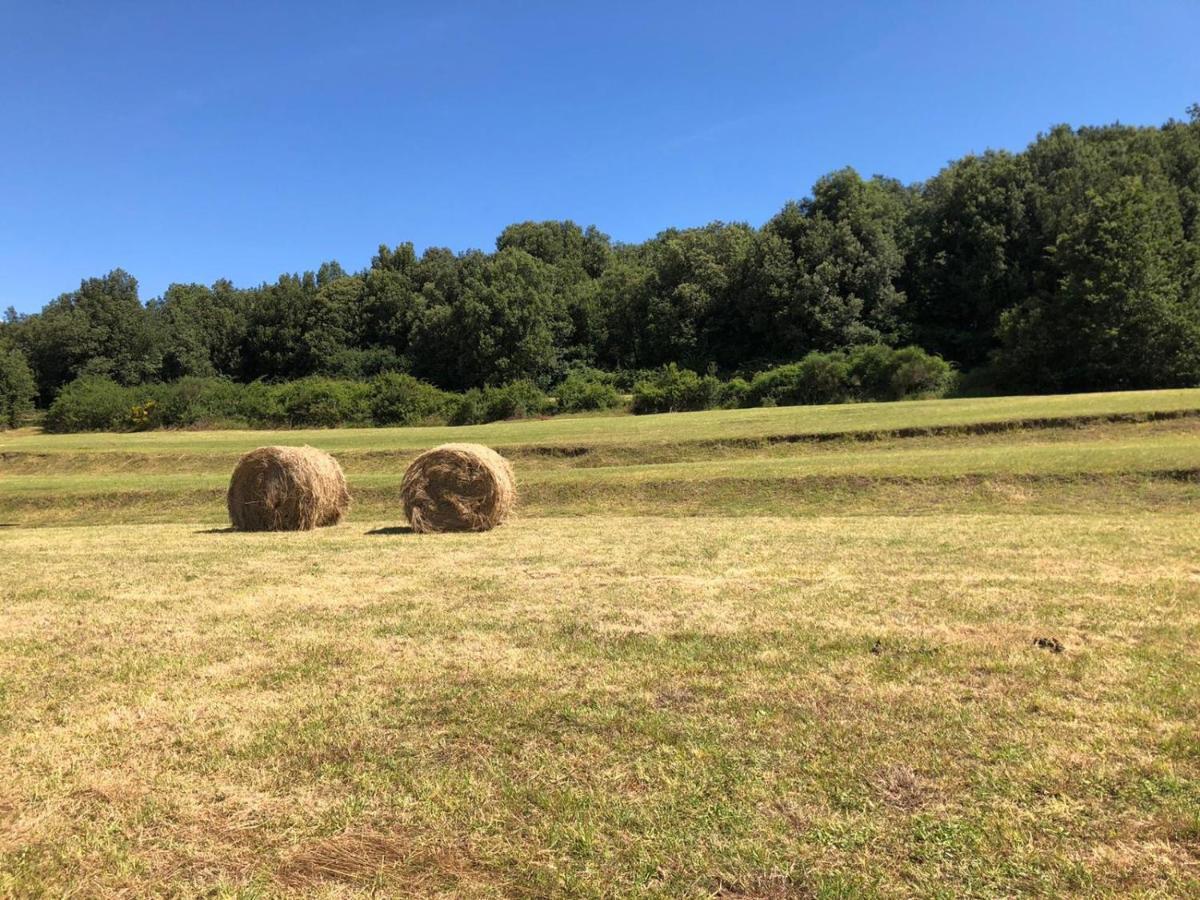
[947, 665]
[611, 705]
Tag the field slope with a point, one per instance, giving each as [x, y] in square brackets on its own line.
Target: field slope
[946, 648]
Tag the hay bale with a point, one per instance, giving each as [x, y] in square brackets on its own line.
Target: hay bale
[287, 489]
[458, 487]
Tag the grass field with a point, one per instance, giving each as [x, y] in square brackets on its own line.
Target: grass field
[948, 648]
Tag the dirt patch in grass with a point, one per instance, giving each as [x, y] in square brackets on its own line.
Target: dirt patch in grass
[900, 787]
[366, 858]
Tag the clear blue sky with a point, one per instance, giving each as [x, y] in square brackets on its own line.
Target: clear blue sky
[192, 141]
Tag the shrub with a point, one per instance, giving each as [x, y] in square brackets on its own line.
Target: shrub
[468, 409]
[672, 389]
[880, 373]
[92, 403]
[587, 389]
[982, 381]
[625, 379]
[261, 404]
[195, 401]
[96, 403]
[735, 393]
[871, 367]
[324, 402]
[818, 378]
[351, 363]
[404, 400]
[515, 400]
[920, 374]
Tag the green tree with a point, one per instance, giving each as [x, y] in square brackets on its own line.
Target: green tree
[101, 329]
[201, 329]
[848, 241]
[17, 386]
[295, 326]
[500, 319]
[975, 254]
[1116, 315]
[696, 274]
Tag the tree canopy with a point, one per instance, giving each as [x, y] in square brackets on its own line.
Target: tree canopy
[1072, 265]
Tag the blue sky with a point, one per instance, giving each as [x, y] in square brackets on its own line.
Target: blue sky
[188, 142]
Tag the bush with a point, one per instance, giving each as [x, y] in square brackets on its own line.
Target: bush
[17, 387]
[404, 400]
[587, 389]
[625, 379]
[735, 393]
[871, 367]
[261, 405]
[93, 403]
[919, 374]
[324, 402]
[515, 400]
[818, 378]
[196, 401]
[97, 403]
[880, 373]
[672, 389]
[468, 409]
[872, 372]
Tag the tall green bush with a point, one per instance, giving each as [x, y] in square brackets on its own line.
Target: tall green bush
[91, 404]
[516, 400]
[404, 400]
[325, 402]
[584, 390]
[881, 373]
[818, 378]
[672, 389]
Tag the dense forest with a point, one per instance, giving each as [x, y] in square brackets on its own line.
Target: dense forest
[1071, 266]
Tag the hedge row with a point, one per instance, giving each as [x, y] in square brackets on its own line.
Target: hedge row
[866, 373]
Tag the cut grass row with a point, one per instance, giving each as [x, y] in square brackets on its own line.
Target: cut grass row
[1144, 452]
[785, 498]
[1153, 464]
[542, 458]
[674, 428]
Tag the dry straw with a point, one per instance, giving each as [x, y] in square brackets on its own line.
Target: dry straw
[458, 487]
[287, 489]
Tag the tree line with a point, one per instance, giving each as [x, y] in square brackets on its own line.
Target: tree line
[1073, 265]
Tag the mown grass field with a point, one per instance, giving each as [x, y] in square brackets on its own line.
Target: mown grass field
[762, 653]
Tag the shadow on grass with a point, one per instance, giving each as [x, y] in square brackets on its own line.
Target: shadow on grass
[228, 529]
[395, 529]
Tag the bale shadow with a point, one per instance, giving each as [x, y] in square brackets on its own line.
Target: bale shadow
[394, 529]
[228, 529]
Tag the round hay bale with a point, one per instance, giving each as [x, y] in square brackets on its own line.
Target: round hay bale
[286, 489]
[458, 487]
